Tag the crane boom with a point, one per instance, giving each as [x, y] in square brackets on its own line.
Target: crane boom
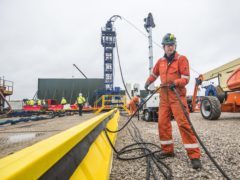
[223, 72]
[80, 71]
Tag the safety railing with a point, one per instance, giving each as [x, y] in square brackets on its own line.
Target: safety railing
[6, 86]
[82, 152]
[106, 102]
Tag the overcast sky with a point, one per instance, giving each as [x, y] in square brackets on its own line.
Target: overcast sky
[43, 38]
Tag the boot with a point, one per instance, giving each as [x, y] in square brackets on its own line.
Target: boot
[163, 155]
[196, 163]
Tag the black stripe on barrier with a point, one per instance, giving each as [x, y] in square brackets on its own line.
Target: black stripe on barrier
[66, 166]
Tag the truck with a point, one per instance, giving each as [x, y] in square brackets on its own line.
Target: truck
[150, 109]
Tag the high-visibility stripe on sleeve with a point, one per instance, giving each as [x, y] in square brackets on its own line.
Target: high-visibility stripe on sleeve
[154, 75]
[166, 142]
[190, 146]
[186, 77]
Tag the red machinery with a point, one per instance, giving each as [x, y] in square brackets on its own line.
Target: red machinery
[52, 105]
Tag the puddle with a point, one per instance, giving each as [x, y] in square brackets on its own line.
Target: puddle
[22, 137]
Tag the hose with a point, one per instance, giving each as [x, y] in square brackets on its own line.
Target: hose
[130, 118]
[139, 145]
[143, 145]
[145, 35]
[198, 138]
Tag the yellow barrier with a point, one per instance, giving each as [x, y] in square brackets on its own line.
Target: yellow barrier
[97, 163]
[32, 162]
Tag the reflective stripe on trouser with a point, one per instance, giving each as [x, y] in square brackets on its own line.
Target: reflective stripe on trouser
[165, 128]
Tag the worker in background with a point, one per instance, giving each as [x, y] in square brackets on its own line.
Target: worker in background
[80, 101]
[39, 102]
[63, 101]
[31, 102]
[43, 102]
[26, 101]
[133, 104]
[173, 70]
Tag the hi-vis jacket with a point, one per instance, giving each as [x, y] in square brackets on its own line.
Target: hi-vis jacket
[80, 100]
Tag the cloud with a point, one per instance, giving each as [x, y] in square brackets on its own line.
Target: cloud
[40, 39]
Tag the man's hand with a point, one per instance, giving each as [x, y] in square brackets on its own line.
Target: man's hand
[146, 86]
[172, 86]
[198, 81]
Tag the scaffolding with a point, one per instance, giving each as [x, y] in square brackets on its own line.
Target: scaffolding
[6, 89]
[108, 102]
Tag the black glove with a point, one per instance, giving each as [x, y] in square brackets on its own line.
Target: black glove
[172, 86]
[198, 81]
[146, 86]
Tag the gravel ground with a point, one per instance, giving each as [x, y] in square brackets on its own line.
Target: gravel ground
[24, 134]
[221, 137]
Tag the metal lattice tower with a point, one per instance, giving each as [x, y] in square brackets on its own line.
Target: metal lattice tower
[108, 41]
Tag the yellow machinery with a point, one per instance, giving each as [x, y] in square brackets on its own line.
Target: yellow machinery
[222, 98]
[6, 89]
[107, 102]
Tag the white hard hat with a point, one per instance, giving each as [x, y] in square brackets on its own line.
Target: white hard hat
[80, 94]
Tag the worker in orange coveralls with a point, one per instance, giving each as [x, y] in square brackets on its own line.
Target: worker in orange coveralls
[173, 70]
[133, 104]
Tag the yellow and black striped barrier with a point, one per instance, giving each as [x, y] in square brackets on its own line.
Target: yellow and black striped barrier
[82, 152]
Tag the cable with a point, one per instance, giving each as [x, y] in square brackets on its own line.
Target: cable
[139, 145]
[141, 32]
[154, 42]
[156, 161]
[198, 138]
[143, 147]
[120, 67]
[134, 113]
[147, 152]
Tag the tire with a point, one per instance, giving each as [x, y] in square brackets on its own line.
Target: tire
[210, 108]
[147, 115]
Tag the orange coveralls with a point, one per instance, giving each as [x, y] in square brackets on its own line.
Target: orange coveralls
[176, 72]
[132, 104]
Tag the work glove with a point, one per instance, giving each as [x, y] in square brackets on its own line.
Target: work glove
[146, 86]
[198, 81]
[172, 86]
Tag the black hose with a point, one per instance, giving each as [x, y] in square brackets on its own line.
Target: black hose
[198, 138]
[139, 144]
[147, 151]
[130, 118]
[120, 67]
[155, 159]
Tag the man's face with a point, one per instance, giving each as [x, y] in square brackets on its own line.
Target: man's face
[169, 49]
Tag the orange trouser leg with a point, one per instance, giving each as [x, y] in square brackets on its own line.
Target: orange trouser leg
[188, 137]
[133, 108]
[165, 128]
